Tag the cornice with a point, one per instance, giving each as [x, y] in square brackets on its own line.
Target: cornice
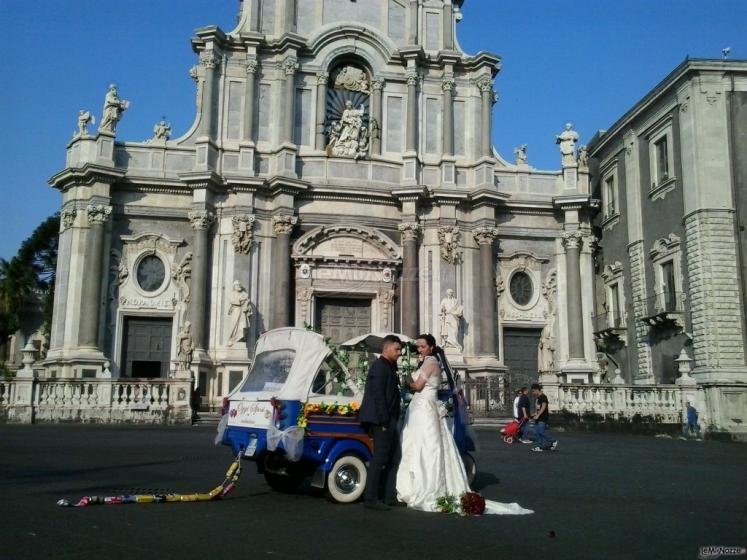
[89, 173]
[202, 180]
[572, 202]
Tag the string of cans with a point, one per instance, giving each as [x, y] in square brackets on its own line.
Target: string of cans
[220, 491]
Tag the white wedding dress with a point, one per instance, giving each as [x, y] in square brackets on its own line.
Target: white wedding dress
[431, 466]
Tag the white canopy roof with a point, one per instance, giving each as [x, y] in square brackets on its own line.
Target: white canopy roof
[311, 351]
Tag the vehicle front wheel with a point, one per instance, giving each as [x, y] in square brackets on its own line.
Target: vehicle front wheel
[470, 466]
[347, 479]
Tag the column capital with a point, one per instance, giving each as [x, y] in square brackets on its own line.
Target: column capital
[412, 78]
[201, 219]
[209, 59]
[485, 85]
[377, 84]
[409, 230]
[572, 239]
[251, 65]
[322, 78]
[98, 214]
[283, 224]
[447, 84]
[485, 235]
[67, 218]
[290, 65]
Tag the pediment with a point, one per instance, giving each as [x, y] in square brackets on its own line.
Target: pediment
[346, 242]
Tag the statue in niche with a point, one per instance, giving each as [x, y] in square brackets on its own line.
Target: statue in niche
[185, 346]
[451, 316]
[546, 349]
[567, 142]
[352, 79]
[113, 109]
[84, 119]
[348, 137]
[240, 304]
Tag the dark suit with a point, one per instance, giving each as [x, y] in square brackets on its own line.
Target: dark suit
[379, 414]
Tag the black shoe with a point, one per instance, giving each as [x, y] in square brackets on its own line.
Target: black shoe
[395, 504]
[378, 506]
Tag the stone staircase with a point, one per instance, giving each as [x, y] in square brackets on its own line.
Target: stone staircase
[208, 418]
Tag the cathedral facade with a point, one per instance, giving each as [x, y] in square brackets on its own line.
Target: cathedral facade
[339, 173]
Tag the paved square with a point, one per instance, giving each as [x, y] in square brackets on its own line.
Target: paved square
[603, 495]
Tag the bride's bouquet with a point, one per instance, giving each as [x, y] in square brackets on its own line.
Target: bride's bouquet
[469, 503]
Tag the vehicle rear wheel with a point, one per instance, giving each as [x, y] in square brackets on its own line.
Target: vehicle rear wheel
[470, 466]
[347, 479]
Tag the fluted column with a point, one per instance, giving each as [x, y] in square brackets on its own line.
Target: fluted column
[321, 108]
[488, 95]
[282, 226]
[572, 243]
[251, 72]
[412, 111]
[209, 60]
[447, 85]
[97, 216]
[410, 276]
[377, 85]
[485, 236]
[200, 221]
[290, 66]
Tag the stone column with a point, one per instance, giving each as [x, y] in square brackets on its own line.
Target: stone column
[91, 301]
[412, 112]
[290, 65]
[488, 95]
[282, 226]
[485, 236]
[410, 276]
[200, 221]
[251, 72]
[321, 108]
[377, 85]
[572, 243]
[209, 60]
[447, 85]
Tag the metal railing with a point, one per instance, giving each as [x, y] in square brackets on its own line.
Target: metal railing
[606, 321]
[487, 397]
[666, 302]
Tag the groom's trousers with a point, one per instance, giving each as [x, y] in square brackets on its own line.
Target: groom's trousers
[384, 463]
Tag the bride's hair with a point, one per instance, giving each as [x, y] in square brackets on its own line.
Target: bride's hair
[429, 340]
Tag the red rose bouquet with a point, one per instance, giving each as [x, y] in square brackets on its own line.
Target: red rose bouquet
[472, 504]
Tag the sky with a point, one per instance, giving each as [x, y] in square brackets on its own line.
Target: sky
[579, 61]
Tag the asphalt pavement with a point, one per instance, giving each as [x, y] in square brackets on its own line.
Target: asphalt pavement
[600, 496]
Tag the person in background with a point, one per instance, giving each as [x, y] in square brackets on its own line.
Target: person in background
[524, 416]
[690, 425]
[542, 438]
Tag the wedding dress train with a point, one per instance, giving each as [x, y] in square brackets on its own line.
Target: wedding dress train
[431, 466]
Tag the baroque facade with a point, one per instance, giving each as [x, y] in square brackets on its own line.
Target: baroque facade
[339, 173]
[671, 175]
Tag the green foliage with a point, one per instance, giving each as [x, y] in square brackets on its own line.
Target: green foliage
[31, 270]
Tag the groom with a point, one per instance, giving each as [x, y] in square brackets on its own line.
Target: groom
[378, 415]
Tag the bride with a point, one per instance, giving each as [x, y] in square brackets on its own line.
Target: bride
[431, 466]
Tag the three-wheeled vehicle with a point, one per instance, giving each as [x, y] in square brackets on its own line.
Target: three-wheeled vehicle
[295, 415]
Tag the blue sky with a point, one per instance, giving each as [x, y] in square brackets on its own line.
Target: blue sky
[584, 61]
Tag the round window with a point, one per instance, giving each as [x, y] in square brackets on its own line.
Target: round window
[521, 288]
[150, 273]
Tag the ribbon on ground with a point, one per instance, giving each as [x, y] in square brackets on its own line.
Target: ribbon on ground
[221, 491]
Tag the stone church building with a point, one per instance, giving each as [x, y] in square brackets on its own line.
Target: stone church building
[339, 173]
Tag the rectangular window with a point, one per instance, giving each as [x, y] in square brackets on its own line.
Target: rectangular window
[393, 124]
[669, 289]
[616, 311]
[661, 150]
[610, 199]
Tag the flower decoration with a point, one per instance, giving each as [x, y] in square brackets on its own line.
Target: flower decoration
[447, 504]
[469, 503]
[308, 409]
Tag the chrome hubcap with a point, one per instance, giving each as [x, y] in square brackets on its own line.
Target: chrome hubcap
[347, 479]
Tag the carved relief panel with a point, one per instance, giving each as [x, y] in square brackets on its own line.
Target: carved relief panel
[519, 287]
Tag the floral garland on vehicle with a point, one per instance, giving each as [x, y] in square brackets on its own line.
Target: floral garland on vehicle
[469, 503]
[348, 409]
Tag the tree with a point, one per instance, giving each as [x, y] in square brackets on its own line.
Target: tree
[31, 270]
